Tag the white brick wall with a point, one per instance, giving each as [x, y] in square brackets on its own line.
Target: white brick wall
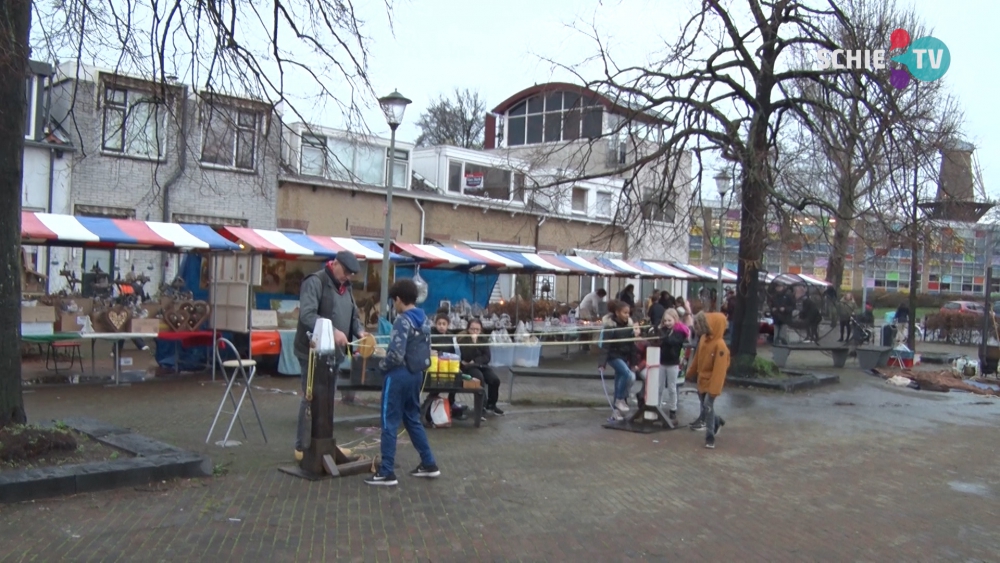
[107, 180]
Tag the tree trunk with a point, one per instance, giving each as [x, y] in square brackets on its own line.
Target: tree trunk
[15, 20]
[753, 240]
[838, 250]
[911, 337]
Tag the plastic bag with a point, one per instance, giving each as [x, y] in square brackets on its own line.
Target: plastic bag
[322, 336]
[440, 413]
[899, 381]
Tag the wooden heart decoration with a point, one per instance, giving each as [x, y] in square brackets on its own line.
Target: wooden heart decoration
[176, 319]
[200, 312]
[117, 318]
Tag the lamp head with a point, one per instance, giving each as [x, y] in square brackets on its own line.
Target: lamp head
[393, 106]
[722, 182]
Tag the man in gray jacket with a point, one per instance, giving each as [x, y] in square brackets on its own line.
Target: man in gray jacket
[327, 294]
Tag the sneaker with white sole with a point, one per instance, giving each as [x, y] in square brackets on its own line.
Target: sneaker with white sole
[383, 480]
[429, 471]
[718, 426]
[710, 444]
[621, 406]
[697, 425]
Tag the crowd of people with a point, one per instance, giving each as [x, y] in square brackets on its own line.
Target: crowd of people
[673, 328]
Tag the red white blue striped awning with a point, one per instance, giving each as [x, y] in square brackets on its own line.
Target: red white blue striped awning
[299, 245]
[104, 232]
[668, 271]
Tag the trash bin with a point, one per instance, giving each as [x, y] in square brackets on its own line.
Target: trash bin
[889, 335]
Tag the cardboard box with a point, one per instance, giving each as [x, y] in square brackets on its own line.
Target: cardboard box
[145, 325]
[38, 314]
[37, 329]
[71, 322]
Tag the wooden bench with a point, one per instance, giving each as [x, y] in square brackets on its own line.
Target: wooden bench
[780, 353]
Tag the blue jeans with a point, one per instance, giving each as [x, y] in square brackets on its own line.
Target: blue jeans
[401, 403]
[623, 378]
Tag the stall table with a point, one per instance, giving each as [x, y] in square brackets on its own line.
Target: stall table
[114, 336]
[186, 339]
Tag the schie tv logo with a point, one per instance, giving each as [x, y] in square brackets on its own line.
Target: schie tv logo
[926, 59]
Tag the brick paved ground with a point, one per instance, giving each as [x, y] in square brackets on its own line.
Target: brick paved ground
[860, 472]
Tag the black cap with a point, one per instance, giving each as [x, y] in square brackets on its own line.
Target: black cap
[348, 261]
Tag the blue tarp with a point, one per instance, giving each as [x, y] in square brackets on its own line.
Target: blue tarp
[452, 285]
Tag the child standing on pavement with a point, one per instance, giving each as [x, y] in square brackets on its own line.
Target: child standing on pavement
[673, 335]
[409, 354]
[709, 366]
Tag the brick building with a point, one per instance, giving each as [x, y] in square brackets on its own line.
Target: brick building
[163, 153]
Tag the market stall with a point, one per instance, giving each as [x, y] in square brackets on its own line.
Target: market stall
[115, 309]
[257, 290]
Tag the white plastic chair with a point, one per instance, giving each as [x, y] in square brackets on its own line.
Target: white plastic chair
[232, 370]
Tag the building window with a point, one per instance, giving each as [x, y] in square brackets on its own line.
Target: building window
[454, 176]
[134, 123]
[484, 181]
[313, 158]
[545, 286]
[579, 200]
[210, 220]
[230, 137]
[356, 163]
[399, 169]
[604, 204]
[30, 95]
[655, 209]
[554, 117]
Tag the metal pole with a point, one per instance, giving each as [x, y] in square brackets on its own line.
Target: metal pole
[864, 285]
[384, 297]
[722, 252]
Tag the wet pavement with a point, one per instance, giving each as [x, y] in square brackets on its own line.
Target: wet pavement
[858, 471]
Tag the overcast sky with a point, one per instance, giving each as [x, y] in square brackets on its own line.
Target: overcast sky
[499, 48]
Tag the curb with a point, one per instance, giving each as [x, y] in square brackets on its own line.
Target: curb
[153, 461]
[797, 382]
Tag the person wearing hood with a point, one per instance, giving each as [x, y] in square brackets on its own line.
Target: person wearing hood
[673, 335]
[620, 333]
[709, 366]
[408, 356]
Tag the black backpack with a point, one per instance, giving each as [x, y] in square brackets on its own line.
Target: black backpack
[418, 349]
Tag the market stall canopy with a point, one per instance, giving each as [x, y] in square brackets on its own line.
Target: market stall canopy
[814, 281]
[668, 271]
[105, 232]
[626, 268]
[698, 272]
[298, 245]
[534, 262]
[446, 257]
[793, 279]
[728, 275]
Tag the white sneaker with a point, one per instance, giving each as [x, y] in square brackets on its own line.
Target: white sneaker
[621, 406]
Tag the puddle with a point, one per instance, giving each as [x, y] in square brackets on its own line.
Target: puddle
[977, 489]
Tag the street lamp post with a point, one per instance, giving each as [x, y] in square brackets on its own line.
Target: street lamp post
[393, 106]
[722, 183]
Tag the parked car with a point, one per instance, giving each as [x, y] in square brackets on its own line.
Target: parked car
[969, 307]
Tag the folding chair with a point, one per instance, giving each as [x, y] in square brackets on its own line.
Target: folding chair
[237, 367]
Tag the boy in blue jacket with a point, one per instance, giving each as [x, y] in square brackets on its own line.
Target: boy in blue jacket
[409, 354]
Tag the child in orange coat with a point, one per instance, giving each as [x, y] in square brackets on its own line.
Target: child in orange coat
[709, 366]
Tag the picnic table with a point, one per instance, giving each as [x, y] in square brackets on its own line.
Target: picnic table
[431, 385]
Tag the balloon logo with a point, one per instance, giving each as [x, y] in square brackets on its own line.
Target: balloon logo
[926, 59]
[899, 39]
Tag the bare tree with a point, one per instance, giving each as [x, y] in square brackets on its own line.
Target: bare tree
[272, 52]
[456, 121]
[845, 144]
[729, 85]
[15, 21]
